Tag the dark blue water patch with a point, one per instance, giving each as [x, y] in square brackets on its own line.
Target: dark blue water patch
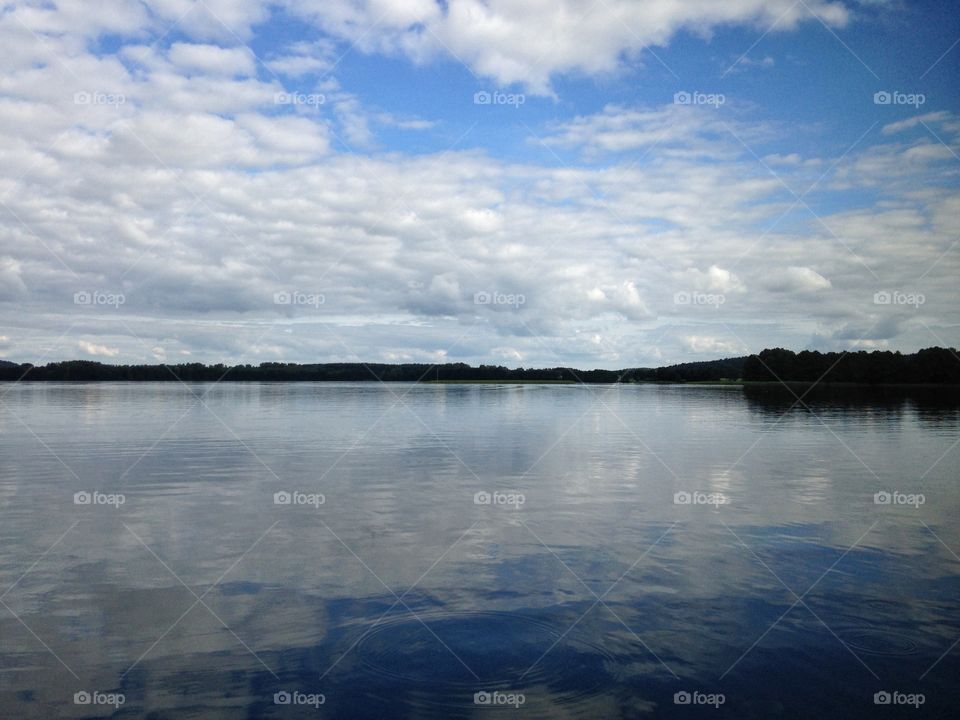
[820, 680]
[442, 658]
[239, 588]
[396, 673]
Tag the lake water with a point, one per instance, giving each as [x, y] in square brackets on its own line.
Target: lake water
[476, 551]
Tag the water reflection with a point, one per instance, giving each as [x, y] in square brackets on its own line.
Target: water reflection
[936, 405]
[401, 597]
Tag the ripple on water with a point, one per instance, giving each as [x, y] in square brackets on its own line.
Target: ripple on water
[878, 641]
[506, 651]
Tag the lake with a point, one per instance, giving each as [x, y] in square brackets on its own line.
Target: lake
[361, 550]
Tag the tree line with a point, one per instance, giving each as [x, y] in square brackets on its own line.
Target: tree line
[934, 366]
[86, 370]
[929, 366]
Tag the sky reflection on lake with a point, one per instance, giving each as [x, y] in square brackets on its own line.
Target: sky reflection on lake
[639, 542]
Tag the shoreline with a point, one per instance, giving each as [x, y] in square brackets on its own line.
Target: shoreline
[448, 381]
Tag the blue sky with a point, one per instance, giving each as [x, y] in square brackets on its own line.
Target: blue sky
[593, 219]
[805, 75]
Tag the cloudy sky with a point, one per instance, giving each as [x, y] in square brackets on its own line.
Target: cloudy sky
[598, 183]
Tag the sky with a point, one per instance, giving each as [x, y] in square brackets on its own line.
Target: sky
[591, 183]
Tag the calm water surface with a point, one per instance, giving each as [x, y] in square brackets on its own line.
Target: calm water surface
[530, 541]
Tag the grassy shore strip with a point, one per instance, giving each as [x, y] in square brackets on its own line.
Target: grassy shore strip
[831, 384]
[703, 383]
[500, 382]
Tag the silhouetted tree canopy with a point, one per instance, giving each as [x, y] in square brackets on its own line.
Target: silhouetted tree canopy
[929, 366]
[939, 366]
[282, 372]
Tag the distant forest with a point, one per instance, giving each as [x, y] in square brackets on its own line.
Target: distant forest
[935, 366]
[413, 372]
[929, 366]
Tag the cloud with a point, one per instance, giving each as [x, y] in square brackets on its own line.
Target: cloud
[212, 59]
[684, 130]
[712, 345]
[303, 58]
[398, 245]
[909, 123]
[624, 299]
[744, 63]
[714, 280]
[903, 164]
[528, 43]
[796, 280]
[96, 350]
[12, 286]
[406, 123]
[202, 200]
[223, 20]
